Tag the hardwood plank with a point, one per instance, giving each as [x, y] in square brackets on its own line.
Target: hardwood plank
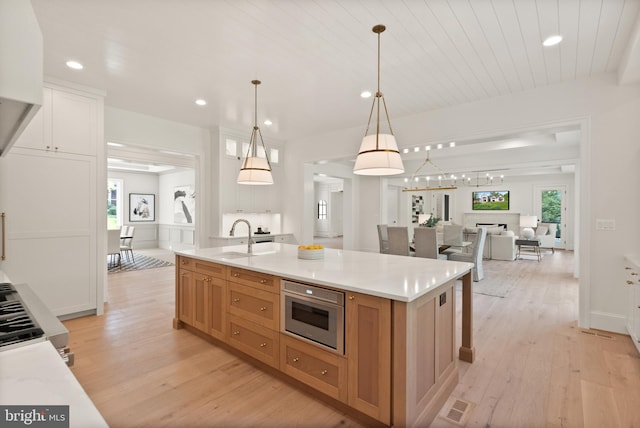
[534, 367]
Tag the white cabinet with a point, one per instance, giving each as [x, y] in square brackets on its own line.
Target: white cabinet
[65, 123]
[51, 199]
[632, 280]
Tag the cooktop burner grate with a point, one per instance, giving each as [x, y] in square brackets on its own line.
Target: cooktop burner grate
[16, 324]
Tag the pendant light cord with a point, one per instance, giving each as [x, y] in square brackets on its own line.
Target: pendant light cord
[378, 29]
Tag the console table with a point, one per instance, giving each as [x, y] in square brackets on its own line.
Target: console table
[533, 243]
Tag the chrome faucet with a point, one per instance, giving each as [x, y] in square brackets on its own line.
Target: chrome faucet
[249, 240]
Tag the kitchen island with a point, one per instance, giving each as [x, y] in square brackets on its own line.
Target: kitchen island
[398, 363]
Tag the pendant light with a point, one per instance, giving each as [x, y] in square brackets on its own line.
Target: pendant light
[255, 170]
[379, 154]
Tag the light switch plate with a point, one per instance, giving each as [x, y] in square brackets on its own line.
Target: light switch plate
[605, 224]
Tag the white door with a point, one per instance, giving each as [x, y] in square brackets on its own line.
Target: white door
[551, 208]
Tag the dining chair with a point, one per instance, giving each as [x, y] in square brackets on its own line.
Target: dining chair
[474, 257]
[426, 243]
[383, 238]
[113, 247]
[126, 244]
[398, 240]
[452, 235]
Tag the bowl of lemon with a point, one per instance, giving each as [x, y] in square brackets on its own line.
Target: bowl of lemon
[310, 252]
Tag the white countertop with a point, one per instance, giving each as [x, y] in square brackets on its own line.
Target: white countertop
[36, 375]
[399, 278]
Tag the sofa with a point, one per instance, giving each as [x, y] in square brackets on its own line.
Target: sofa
[499, 245]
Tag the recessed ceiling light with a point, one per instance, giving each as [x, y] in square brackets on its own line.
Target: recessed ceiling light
[405, 151]
[552, 40]
[201, 102]
[365, 94]
[268, 122]
[439, 146]
[452, 144]
[75, 65]
[416, 149]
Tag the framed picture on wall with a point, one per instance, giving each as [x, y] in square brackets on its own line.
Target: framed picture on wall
[184, 204]
[142, 207]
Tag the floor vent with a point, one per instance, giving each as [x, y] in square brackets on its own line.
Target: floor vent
[456, 411]
[597, 333]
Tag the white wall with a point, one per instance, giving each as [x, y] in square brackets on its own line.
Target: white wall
[608, 116]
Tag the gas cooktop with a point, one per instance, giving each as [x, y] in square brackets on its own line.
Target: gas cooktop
[16, 323]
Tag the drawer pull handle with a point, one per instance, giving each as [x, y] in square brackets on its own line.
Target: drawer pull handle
[629, 282]
[236, 275]
[634, 273]
[237, 332]
[627, 268]
[236, 299]
[264, 308]
[184, 262]
[264, 281]
[262, 345]
[296, 359]
[323, 372]
[351, 297]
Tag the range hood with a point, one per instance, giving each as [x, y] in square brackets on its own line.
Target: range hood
[21, 72]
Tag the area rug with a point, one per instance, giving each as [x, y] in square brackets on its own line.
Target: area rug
[499, 278]
[497, 287]
[142, 262]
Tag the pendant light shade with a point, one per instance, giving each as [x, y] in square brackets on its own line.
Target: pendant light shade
[379, 154]
[255, 170]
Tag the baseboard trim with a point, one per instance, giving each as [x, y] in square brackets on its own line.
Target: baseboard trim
[608, 322]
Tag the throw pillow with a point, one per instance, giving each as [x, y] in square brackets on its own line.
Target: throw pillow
[541, 230]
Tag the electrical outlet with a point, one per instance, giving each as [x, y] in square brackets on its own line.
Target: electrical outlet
[443, 299]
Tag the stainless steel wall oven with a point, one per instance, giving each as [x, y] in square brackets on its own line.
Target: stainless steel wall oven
[314, 314]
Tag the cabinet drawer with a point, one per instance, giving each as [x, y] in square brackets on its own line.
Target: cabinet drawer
[261, 281]
[207, 268]
[184, 262]
[320, 369]
[259, 342]
[259, 306]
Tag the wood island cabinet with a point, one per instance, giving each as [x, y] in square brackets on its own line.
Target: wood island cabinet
[368, 349]
[399, 364]
[322, 370]
[200, 298]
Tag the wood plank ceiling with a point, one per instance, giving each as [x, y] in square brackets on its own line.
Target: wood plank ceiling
[316, 56]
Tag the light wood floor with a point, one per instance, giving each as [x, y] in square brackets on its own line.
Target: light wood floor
[534, 367]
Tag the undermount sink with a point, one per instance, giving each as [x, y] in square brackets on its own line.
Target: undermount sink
[232, 255]
[238, 255]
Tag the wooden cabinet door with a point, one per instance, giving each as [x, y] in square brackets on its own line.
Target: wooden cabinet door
[201, 301]
[368, 349]
[217, 308]
[185, 297]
